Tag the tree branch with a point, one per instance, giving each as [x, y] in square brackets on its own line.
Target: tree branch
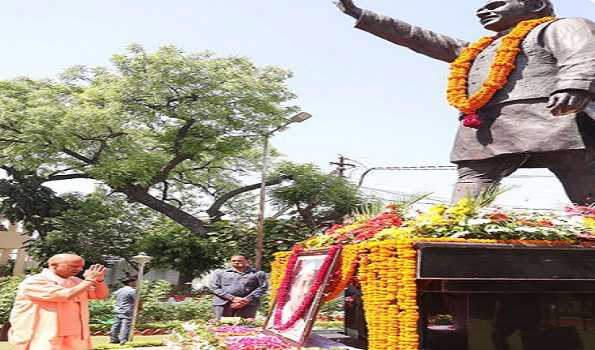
[182, 134]
[10, 128]
[66, 177]
[12, 140]
[78, 156]
[167, 168]
[138, 194]
[215, 210]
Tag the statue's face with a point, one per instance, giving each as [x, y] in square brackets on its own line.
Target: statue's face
[500, 15]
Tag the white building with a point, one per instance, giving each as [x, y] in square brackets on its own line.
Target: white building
[12, 241]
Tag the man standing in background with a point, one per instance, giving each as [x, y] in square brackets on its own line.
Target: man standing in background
[123, 311]
[237, 289]
[51, 309]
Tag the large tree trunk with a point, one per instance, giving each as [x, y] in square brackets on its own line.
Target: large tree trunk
[141, 195]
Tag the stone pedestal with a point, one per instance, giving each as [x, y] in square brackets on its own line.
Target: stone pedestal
[478, 297]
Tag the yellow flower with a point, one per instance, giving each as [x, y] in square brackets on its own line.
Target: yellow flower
[589, 223]
[437, 209]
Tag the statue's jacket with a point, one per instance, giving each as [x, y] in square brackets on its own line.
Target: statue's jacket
[555, 56]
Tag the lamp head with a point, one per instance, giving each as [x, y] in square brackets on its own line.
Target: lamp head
[300, 117]
[141, 258]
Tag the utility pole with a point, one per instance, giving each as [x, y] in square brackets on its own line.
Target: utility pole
[342, 166]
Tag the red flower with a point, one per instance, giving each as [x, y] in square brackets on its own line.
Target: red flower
[545, 223]
[286, 284]
[472, 121]
[499, 217]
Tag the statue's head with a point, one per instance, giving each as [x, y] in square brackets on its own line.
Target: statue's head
[500, 15]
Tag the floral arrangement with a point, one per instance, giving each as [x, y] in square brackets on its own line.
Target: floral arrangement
[469, 219]
[500, 70]
[231, 331]
[379, 254]
[194, 336]
[208, 336]
[261, 342]
[309, 298]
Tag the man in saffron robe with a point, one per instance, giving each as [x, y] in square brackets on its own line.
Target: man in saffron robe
[542, 118]
[51, 311]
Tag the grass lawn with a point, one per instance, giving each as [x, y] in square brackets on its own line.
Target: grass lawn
[103, 340]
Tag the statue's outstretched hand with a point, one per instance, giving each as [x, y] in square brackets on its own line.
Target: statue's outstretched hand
[348, 7]
[568, 101]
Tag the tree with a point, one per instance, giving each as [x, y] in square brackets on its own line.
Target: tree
[176, 247]
[319, 199]
[174, 132]
[239, 239]
[95, 227]
[24, 199]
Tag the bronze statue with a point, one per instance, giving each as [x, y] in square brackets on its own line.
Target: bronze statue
[540, 117]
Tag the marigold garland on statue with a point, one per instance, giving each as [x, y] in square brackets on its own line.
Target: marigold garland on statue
[503, 65]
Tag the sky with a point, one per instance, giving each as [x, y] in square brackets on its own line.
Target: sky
[372, 101]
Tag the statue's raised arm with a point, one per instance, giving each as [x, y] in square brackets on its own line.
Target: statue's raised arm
[524, 95]
[349, 8]
[438, 46]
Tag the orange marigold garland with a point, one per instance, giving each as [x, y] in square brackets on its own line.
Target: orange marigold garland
[379, 277]
[278, 267]
[407, 295]
[500, 70]
[346, 272]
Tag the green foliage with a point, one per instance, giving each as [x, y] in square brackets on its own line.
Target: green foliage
[186, 310]
[8, 291]
[176, 247]
[6, 269]
[279, 235]
[101, 311]
[24, 199]
[331, 309]
[155, 291]
[156, 308]
[134, 344]
[94, 227]
[319, 199]
[176, 123]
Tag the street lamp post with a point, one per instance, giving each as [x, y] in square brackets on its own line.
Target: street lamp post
[298, 118]
[141, 259]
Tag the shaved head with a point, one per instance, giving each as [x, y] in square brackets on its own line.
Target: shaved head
[60, 258]
[66, 265]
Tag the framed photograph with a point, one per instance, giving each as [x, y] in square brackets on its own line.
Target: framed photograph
[306, 271]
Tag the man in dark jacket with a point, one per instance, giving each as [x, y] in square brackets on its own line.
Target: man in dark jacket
[237, 289]
[541, 118]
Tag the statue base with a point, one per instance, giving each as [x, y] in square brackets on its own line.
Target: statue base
[498, 296]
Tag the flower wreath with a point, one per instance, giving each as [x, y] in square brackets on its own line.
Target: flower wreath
[498, 75]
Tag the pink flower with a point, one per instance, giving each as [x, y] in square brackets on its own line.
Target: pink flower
[472, 121]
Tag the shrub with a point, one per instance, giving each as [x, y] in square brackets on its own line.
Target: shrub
[191, 309]
[8, 290]
[200, 308]
[154, 291]
[101, 311]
